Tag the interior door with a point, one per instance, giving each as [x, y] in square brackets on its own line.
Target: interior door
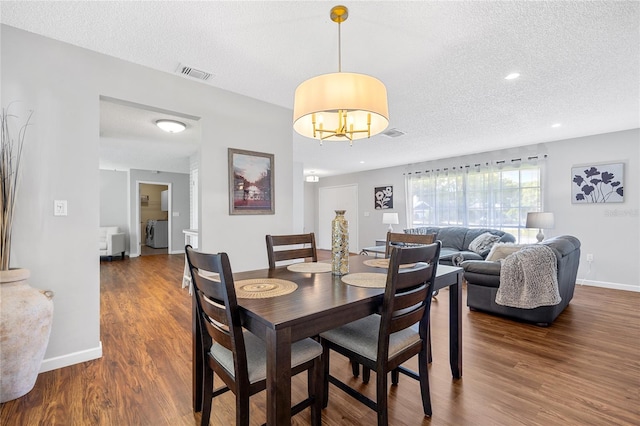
[335, 198]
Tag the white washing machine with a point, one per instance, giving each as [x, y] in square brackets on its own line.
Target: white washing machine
[157, 233]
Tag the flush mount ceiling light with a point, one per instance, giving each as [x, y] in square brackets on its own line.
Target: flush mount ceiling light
[340, 106]
[311, 177]
[512, 76]
[171, 126]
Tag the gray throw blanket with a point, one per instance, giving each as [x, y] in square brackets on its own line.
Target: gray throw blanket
[529, 279]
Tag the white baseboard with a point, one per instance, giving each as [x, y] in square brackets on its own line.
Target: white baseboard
[71, 359]
[177, 251]
[604, 284]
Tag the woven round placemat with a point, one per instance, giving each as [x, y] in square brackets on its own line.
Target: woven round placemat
[384, 263]
[312, 267]
[366, 279]
[262, 288]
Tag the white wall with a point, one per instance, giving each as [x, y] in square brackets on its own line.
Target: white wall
[298, 198]
[370, 223]
[113, 200]
[310, 207]
[611, 232]
[63, 85]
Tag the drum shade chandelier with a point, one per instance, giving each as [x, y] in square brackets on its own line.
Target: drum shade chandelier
[340, 106]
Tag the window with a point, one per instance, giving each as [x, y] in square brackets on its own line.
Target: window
[497, 198]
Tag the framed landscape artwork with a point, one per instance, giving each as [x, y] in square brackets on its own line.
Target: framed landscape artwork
[251, 182]
[598, 183]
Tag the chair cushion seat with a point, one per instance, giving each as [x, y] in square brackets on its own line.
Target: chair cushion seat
[301, 352]
[361, 337]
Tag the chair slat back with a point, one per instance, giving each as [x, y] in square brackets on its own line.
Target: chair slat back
[215, 320]
[407, 297]
[402, 239]
[215, 299]
[308, 249]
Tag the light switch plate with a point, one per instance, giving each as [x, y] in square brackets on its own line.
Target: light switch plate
[60, 207]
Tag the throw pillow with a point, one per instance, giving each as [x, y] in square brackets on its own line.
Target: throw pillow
[502, 250]
[483, 242]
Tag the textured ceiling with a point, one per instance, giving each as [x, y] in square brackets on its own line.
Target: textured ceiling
[443, 63]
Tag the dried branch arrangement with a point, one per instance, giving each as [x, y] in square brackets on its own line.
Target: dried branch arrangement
[10, 154]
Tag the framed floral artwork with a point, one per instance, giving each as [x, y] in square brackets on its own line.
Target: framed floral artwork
[251, 182]
[603, 183]
[383, 197]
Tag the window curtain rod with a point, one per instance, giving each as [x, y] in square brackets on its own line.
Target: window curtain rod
[499, 163]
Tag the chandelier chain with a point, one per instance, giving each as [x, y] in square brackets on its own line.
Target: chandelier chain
[339, 48]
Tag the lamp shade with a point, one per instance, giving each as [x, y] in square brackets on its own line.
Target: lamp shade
[390, 218]
[540, 220]
[325, 97]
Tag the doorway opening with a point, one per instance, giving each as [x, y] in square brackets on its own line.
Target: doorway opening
[154, 213]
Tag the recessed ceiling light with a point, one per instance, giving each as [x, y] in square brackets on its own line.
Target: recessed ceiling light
[556, 125]
[171, 126]
[362, 162]
[512, 76]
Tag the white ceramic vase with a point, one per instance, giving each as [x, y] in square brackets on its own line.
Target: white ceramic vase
[25, 324]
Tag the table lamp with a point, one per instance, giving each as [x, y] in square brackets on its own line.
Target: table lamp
[390, 219]
[540, 220]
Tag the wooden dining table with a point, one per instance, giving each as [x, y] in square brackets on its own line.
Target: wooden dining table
[322, 301]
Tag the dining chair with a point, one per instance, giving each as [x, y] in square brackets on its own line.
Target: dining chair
[402, 239]
[304, 247]
[382, 342]
[235, 355]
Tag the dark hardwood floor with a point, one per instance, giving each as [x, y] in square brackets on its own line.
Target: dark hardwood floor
[583, 370]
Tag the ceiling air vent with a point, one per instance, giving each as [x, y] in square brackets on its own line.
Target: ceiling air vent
[194, 72]
[393, 133]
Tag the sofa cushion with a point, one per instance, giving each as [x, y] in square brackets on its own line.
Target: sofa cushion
[563, 245]
[456, 239]
[482, 273]
[482, 267]
[447, 256]
[452, 237]
[502, 250]
[423, 230]
[103, 231]
[483, 243]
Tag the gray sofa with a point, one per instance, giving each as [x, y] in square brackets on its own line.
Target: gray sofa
[483, 280]
[455, 242]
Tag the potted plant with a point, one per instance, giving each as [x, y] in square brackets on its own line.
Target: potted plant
[25, 313]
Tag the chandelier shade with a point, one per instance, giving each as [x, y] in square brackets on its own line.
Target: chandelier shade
[340, 106]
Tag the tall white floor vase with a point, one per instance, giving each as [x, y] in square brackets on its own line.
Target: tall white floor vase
[25, 325]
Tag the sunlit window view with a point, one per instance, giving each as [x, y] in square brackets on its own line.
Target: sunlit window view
[497, 198]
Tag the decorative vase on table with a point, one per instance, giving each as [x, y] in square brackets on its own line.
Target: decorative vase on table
[25, 324]
[339, 244]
